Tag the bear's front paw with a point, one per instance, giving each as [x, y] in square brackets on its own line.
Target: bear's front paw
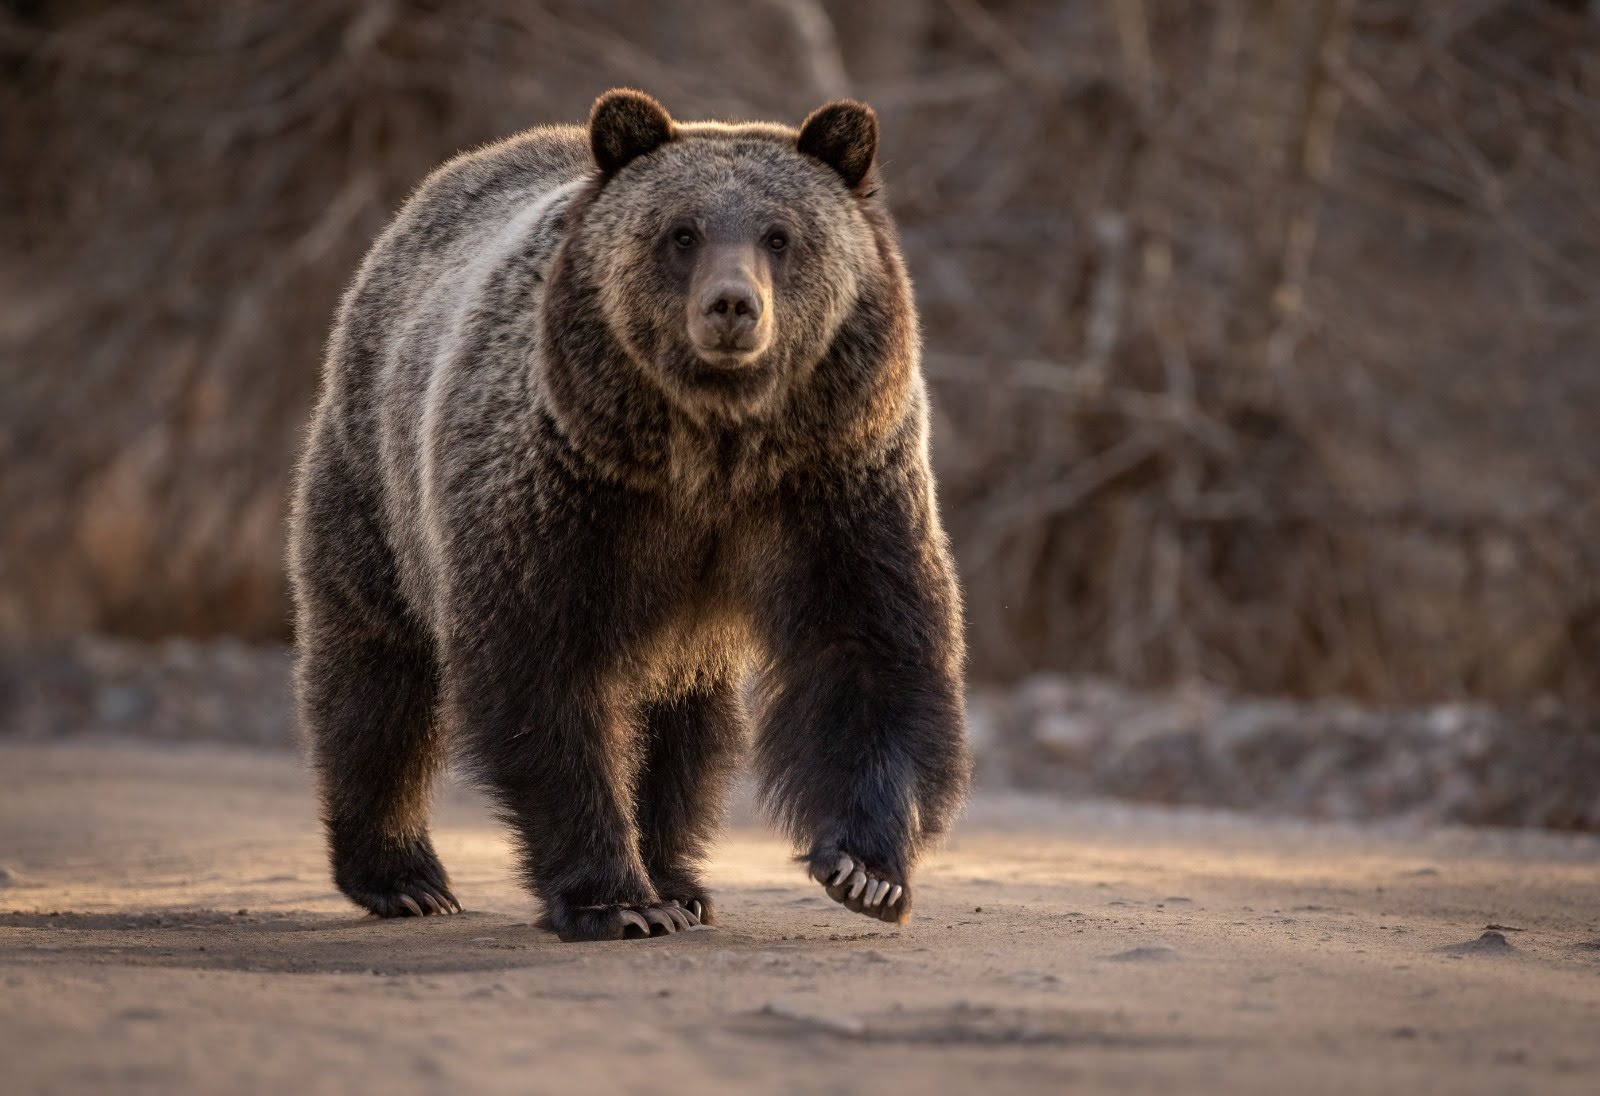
[862, 887]
[620, 922]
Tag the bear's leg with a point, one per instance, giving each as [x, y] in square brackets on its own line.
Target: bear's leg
[367, 705]
[861, 747]
[366, 682]
[562, 760]
[693, 746]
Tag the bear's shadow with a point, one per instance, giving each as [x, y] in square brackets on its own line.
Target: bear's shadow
[296, 942]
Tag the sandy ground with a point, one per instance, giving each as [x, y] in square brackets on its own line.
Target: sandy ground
[173, 931]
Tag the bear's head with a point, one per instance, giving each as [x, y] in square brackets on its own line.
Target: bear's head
[725, 260]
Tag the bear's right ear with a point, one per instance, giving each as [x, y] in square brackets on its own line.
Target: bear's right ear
[626, 124]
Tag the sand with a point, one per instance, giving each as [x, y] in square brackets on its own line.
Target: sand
[172, 930]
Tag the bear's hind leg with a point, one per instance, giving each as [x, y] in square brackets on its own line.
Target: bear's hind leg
[694, 745]
[561, 763]
[368, 706]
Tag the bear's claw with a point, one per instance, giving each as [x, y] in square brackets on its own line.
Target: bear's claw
[861, 889]
[415, 901]
[689, 899]
[627, 922]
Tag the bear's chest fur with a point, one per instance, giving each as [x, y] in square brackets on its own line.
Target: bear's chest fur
[698, 592]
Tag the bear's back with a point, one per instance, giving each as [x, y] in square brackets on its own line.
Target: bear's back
[459, 265]
[422, 260]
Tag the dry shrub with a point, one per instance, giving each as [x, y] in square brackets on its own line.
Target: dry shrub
[1262, 334]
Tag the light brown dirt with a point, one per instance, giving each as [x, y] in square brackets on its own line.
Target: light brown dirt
[173, 931]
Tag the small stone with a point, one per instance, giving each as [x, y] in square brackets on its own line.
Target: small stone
[839, 1023]
[1490, 943]
[140, 1013]
[1152, 954]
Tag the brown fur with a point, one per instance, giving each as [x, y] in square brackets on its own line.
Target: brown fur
[536, 519]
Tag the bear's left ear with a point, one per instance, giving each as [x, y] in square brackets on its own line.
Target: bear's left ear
[624, 125]
[843, 135]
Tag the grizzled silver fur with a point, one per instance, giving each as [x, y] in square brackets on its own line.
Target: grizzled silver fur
[615, 419]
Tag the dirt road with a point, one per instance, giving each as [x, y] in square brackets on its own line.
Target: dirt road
[174, 932]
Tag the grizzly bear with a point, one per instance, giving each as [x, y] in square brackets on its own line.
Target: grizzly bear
[622, 448]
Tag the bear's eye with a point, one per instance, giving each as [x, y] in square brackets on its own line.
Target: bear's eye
[684, 237]
[777, 240]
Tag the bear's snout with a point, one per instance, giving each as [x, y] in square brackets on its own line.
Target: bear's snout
[728, 310]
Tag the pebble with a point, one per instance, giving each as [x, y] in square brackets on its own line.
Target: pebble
[839, 1023]
[1152, 954]
[1490, 943]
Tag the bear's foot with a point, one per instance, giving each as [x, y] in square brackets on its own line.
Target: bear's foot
[409, 884]
[861, 887]
[622, 922]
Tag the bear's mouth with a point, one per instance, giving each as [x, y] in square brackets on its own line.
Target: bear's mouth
[723, 359]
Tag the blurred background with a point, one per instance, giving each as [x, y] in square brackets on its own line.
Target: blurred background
[1262, 335]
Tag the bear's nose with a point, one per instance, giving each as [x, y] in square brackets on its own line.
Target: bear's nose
[734, 304]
